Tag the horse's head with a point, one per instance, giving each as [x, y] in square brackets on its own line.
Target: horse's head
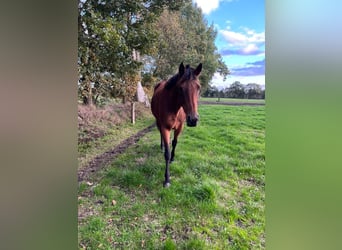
[188, 89]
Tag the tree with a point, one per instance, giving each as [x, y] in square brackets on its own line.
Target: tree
[253, 91]
[184, 36]
[201, 44]
[108, 32]
[171, 45]
[263, 94]
[211, 91]
[236, 90]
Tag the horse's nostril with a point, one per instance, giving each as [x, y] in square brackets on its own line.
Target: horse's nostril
[193, 119]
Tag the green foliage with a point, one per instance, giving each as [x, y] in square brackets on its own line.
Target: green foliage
[236, 90]
[111, 31]
[201, 44]
[171, 46]
[254, 91]
[184, 36]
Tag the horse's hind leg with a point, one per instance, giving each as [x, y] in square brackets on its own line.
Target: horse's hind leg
[174, 142]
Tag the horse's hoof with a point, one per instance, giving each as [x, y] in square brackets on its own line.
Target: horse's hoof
[167, 184]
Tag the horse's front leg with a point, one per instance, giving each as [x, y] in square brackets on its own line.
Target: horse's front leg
[161, 142]
[161, 136]
[174, 141]
[167, 156]
[174, 144]
[166, 139]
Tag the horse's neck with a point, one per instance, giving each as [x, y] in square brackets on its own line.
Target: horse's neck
[174, 103]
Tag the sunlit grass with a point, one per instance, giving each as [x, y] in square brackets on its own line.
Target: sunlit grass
[215, 201]
[113, 137]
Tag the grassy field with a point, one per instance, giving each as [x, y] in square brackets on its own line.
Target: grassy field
[217, 194]
[87, 151]
[232, 100]
[115, 129]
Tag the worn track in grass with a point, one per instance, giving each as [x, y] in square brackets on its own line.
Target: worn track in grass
[101, 160]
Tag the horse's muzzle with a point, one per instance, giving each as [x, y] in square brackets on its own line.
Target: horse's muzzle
[191, 121]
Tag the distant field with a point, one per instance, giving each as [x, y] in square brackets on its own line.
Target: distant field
[217, 194]
[233, 100]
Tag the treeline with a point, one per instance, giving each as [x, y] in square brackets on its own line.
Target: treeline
[123, 42]
[237, 90]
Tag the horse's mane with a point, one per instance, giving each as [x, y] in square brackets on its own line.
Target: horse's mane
[157, 86]
[188, 74]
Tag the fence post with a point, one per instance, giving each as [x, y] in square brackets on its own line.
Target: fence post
[133, 112]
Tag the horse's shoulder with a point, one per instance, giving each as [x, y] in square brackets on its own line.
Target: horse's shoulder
[181, 116]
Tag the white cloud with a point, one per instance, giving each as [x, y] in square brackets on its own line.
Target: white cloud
[233, 37]
[245, 42]
[243, 38]
[207, 6]
[250, 48]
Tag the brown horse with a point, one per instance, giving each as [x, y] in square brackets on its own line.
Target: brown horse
[173, 102]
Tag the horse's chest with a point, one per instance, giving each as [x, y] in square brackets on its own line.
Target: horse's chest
[175, 121]
[172, 122]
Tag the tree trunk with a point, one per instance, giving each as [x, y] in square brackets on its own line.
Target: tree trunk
[133, 112]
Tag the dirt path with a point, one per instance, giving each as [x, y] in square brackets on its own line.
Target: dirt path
[101, 160]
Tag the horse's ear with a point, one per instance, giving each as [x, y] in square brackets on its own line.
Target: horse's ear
[198, 70]
[181, 69]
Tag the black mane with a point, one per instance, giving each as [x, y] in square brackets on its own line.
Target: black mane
[187, 75]
[171, 82]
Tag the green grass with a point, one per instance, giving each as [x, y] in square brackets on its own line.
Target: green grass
[215, 201]
[118, 133]
[234, 100]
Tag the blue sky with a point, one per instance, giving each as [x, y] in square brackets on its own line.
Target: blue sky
[240, 39]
